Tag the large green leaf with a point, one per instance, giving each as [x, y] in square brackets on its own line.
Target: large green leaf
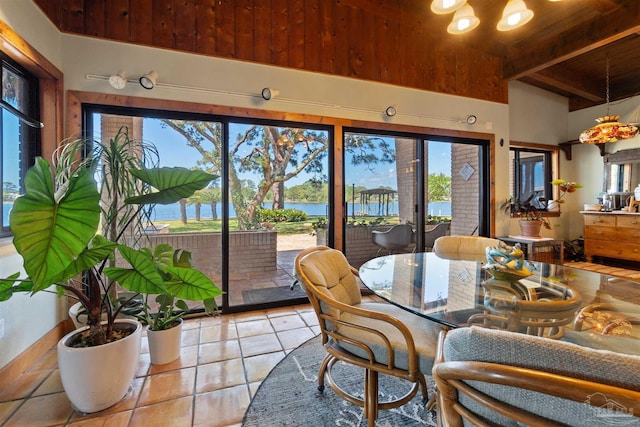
[99, 249]
[142, 277]
[171, 184]
[12, 284]
[50, 226]
[192, 285]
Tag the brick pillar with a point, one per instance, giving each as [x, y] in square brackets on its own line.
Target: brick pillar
[406, 179]
[110, 124]
[465, 210]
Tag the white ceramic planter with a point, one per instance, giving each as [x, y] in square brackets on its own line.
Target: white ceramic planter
[164, 346]
[96, 378]
[79, 316]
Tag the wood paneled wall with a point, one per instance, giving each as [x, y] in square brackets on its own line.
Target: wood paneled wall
[364, 39]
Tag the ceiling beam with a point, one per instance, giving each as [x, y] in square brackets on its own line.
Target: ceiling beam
[606, 28]
[602, 6]
[569, 83]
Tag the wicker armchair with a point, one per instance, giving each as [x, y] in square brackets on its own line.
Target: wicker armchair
[499, 378]
[379, 337]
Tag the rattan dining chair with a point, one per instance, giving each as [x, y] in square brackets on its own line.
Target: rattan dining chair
[378, 337]
[470, 248]
[500, 378]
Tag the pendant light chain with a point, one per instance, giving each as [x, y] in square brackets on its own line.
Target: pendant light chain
[607, 76]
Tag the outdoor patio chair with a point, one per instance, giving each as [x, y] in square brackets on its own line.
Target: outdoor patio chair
[396, 238]
[499, 378]
[430, 236]
[378, 337]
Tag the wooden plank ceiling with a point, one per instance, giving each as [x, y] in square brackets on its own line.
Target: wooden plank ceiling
[564, 49]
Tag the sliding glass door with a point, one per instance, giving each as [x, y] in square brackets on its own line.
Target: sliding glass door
[381, 192]
[245, 229]
[403, 191]
[277, 191]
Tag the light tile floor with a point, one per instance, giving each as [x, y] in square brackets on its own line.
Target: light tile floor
[222, 363]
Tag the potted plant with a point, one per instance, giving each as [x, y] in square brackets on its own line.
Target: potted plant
[530, 217]
[164, 320]
[56, 229]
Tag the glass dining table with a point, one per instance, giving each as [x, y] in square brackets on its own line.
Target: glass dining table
[587, 308]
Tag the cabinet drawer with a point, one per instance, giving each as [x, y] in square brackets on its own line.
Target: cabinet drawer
[630, 251]
[602, 233]
[631, 235]
[601, 220]
[629, 221]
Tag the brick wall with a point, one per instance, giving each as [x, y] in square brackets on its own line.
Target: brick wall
[249, 251]
[359, 244]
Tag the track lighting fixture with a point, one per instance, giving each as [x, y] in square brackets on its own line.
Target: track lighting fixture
[268, 93]
[391, 111]
[148, 81]
[118, 81]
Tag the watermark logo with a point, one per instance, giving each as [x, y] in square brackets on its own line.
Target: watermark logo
[609, 412]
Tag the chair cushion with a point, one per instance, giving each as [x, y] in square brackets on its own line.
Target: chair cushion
[471, 248]
[564, 358]
[331, 274]
[424, 332]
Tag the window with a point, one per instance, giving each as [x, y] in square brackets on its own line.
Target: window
[533, 167]
[19, 133]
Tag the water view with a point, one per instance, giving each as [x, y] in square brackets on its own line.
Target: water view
[172, 212]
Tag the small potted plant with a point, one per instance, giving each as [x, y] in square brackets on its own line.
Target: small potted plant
[163, 315]
[530, 217]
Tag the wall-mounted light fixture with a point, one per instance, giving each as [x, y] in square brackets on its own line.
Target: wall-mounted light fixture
[118, 81]
[268, 93]
[391, 111]
[148, 81]
[471, 119]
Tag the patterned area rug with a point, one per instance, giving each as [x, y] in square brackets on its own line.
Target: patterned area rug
[289, 396]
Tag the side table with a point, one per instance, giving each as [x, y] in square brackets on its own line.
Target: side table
[543, 249]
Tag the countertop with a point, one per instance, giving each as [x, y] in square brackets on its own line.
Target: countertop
[610, 213]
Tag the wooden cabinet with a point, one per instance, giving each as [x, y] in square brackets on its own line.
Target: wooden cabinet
[612, 235]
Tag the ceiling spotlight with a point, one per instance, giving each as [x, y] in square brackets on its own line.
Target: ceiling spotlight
[471, 119]
[391, 111]
[268, 93]
[118, 81]
[148, 81]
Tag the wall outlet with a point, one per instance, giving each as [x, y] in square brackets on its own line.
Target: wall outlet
[1, 328]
